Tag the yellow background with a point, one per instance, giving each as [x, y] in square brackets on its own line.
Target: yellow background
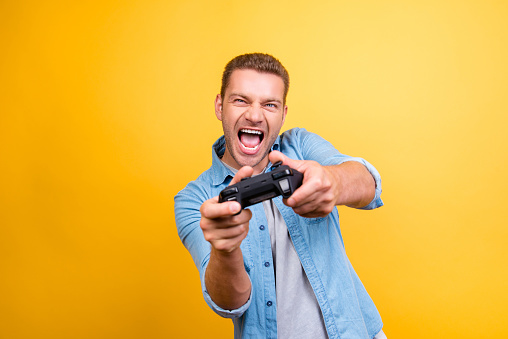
[106, 112]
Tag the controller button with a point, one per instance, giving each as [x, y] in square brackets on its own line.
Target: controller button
[277, 164]
[229, 191]
[284, 185]
[281, 174]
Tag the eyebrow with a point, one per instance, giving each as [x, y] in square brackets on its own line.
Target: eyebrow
[247, 97]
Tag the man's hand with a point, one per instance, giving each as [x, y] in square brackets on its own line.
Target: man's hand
[223, 229]
[324, 187]
[226, 280]
[317, 195]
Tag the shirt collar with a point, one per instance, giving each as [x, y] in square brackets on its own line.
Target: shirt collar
[220, 172]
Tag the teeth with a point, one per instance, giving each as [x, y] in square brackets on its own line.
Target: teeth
[251, 131]
[250, 148]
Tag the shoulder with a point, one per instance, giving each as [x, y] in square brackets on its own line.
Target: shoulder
[300, 136]
[197, 190]
[298, 143]
[294, 134]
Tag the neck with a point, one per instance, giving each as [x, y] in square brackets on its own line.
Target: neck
[258, 167]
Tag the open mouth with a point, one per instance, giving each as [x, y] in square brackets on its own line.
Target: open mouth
[250, 139]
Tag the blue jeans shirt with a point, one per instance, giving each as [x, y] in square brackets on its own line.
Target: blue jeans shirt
[347, 309]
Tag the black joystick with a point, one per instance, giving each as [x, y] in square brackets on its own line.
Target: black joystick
[281, 180]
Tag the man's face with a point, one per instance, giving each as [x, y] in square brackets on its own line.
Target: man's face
[252, 114]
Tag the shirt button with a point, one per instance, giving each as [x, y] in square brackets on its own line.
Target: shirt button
[267, 264]
[268, 303]
[262, 227]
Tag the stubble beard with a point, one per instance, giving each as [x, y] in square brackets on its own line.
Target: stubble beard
[231, 140]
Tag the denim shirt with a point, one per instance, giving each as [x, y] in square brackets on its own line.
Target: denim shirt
[347, 309]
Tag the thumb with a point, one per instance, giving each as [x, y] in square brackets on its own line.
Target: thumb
[276, 156]
[244, 172]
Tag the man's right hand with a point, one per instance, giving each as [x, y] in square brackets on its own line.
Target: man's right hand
[226, 280]
[223, 229]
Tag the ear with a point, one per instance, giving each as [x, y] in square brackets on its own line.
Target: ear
[218, 107]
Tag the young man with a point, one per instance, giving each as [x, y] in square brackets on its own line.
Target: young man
[277, 268]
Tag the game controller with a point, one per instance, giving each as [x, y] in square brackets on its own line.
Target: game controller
[281, 180]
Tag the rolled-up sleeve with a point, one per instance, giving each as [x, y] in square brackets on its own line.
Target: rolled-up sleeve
[187, 217]
[217, 309]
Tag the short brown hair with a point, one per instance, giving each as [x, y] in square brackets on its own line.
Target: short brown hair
[263, 63]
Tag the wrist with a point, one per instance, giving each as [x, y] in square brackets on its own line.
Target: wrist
[334, 175]
[230, 258]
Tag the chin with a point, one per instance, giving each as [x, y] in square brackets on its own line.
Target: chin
[252, 161]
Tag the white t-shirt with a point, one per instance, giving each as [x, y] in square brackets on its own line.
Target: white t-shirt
[298, 312]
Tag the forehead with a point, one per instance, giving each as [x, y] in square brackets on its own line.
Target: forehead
[252, 83]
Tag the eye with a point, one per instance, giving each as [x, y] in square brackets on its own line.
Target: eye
[239, 100]
[271, 105]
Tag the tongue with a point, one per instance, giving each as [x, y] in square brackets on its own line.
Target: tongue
[250, 140]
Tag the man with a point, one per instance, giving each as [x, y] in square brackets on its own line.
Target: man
[277, 268]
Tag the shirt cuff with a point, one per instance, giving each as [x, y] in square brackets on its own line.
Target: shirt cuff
[376, 201]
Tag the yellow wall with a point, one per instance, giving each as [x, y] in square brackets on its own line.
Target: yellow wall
[106, 112]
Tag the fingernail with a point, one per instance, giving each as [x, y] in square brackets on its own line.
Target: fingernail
[234, 208]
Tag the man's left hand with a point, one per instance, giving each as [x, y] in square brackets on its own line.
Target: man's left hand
[319, 191]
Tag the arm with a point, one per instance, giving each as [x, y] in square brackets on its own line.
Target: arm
[325, 187]
[226, 280]
[354, 185]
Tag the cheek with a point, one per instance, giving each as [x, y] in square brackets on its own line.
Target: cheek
[276, 122]
[228, 126]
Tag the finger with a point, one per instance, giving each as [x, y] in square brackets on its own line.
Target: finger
[302, 195]
[226, 233]
[276, 156]
[212, 209]
[312, 215]
[306, 209]
[227, 221]
[244, 172]
[229, 245]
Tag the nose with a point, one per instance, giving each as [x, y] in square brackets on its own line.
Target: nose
[255, 114]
